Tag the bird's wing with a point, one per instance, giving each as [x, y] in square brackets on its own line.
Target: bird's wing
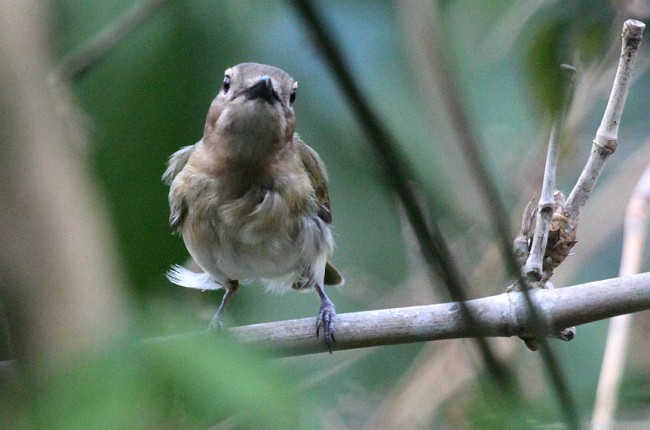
[177, 205]
[176, 162]
[318, 177]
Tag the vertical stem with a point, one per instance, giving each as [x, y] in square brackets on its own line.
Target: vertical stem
[546, 207]
[619, 327]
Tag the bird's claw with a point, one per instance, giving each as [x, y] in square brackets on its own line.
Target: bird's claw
[325, 320]
[216, 323]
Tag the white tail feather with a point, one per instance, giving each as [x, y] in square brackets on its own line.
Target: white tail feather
[186, 278]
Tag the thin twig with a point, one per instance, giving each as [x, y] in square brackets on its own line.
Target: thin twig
[616, 348]
[433, 246]
[607, 135]
[77, 63]
[501, 315]
[546, 206]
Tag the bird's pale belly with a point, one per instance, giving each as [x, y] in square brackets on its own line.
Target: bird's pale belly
[231, 259]
[269, 259]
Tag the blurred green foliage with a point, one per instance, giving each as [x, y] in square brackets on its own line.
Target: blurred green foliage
[569, 33]
[149, 97]
[192, 383]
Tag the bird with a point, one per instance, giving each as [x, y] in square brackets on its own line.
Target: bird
[250, 199]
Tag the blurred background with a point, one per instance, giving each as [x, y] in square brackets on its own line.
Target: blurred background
[79, 333]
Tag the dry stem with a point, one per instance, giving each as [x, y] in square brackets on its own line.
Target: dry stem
[498, 316]
[606, 138]
[546, 207]
[619, 328]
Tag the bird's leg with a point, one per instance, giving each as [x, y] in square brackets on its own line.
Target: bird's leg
[217, 320]
[325, 318]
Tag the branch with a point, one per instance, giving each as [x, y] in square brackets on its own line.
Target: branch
[469, 142]
[547, 204]
[75, 64]
[607, 135]
[502, 315]
[616, 348]
[432, 243]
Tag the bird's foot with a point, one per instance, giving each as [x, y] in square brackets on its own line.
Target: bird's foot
[217, 322]
[325, 321]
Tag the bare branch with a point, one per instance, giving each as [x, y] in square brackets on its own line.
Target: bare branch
[607, 135]
[501, 315]
[546, 207]
[611, 373]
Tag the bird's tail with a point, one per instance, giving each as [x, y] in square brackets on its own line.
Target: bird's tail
[186, 278]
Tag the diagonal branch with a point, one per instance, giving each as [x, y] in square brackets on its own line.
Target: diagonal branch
[469, 142]
[78, 62]
[607, 135]
[434, 248]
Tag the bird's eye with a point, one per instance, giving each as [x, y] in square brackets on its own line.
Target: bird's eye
[292, 97]
[226, 84]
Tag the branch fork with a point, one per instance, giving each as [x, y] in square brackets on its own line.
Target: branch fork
[548, 231]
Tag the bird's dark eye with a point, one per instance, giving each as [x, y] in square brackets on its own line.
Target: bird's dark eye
[292, 97]
[226, 84]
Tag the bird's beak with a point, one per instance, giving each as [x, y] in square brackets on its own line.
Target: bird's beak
[263, 89]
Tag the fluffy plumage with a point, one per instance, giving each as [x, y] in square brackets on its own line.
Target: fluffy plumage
[250, 199]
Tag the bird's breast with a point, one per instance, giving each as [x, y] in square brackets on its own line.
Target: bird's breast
[263, 234]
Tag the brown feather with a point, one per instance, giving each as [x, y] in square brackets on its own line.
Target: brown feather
[318, 177]
[332, 275]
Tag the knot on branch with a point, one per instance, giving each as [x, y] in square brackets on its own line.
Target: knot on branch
[561, 237]
[606, 147]
[526, 326]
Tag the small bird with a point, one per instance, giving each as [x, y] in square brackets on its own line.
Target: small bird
[250, 199]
